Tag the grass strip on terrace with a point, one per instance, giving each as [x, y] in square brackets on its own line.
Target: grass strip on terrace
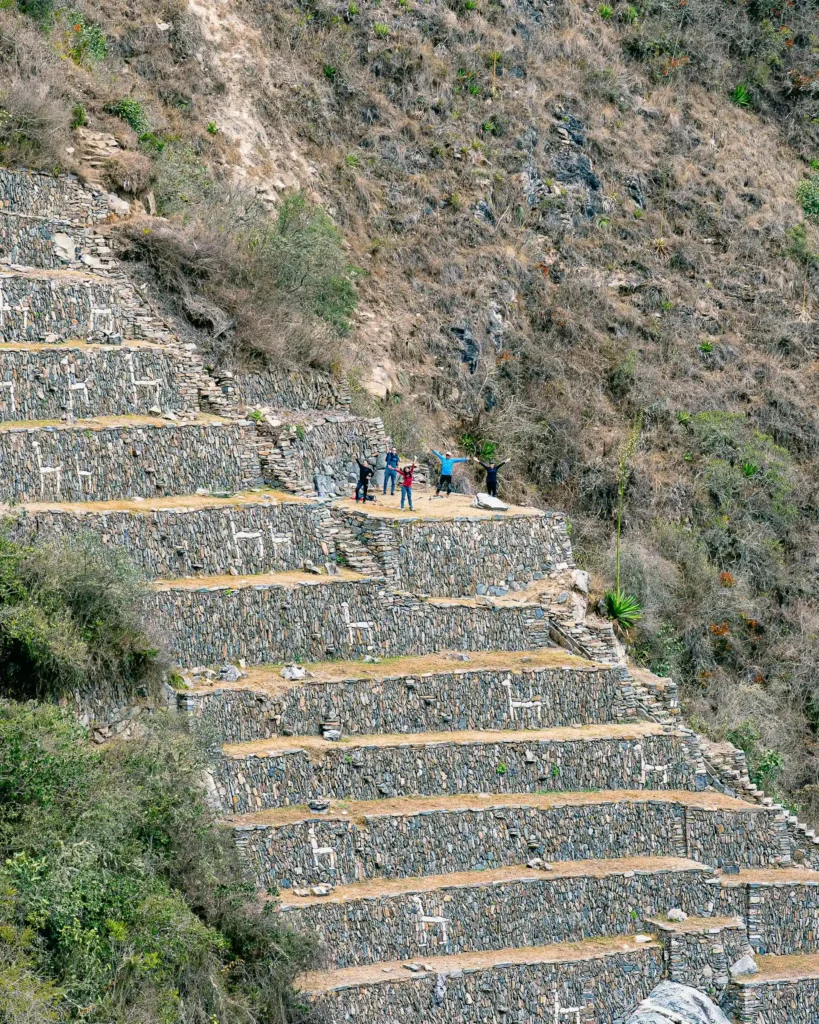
[374, 888]
[564, 734]
[359, 811]
[393, 971]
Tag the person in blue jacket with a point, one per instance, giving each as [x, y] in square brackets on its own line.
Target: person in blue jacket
[447, 465]
[391, 470]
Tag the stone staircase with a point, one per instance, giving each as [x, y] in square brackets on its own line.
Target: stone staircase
[432, 750]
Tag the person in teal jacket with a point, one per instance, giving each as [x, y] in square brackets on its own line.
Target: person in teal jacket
[447, 465]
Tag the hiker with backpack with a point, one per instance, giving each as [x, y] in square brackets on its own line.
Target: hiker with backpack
[391, 470]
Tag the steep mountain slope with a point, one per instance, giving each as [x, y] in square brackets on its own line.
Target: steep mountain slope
[570, 219]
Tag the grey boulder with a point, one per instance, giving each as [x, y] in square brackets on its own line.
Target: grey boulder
[671, 1003]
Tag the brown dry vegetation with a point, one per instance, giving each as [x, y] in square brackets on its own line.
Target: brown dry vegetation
[575, 227]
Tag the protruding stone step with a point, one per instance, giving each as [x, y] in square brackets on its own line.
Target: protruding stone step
[48, 382]
[270, 619]
[408, 836]
[124, 457]
[464, 555]
[60, 306]
[253, 532]
[785, 990]
[699, 951]
[450, 914]
[294, 770]
[780, 905]
[429, 693]
[602, 980]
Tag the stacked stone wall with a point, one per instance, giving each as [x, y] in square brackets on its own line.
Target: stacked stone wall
[702, 958]
[607, 988]
[55, 197]
[48, 383]
[534, 911]
[783, 917]
[466, 555]
[123, 462]
[729, 839]
[319, 457]
[35, 309]
[371, 772]
[176, 542]
[32, 242]
[434, 702]
[789, 1001]
[283, 389]
[271, 623]
[441, 841]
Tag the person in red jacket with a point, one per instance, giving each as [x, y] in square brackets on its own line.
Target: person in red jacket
[406, 484]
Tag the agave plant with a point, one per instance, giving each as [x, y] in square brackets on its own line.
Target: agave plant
[623, 608]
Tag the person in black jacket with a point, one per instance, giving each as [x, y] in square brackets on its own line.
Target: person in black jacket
[492, 475]
[365, 471]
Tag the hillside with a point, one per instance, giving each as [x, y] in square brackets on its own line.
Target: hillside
[556, 221]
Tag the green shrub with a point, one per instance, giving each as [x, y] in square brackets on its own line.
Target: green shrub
[86, 42]
[605, 11]
[135, 900]
[79, 116]
[381, 30]
[39, 10]
[807, 193]
[132, 113]
[70, 619]
[740, 96]
[622, 608]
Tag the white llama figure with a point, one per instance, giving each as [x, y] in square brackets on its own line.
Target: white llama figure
[46, 471]
[353, 626]
[8, 385]
[321, 851]
[532, 704]
[423, 921]
[562, 1012]
[646, 768]
[146, 383]
[80, 388]
[82, 475]
[246, 535]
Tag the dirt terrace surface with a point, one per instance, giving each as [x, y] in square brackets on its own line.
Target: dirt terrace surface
[180, 502]
[107, 422]
[782, 968]
[359, 811]
[318, 745]
[267, 678]
[265, 579]
[82, 343]
[695, 925]
[393, 971]
[387, 506]
[772, 875]
[375, 887]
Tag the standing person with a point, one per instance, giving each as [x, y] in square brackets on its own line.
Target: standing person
[492, 475]
[447, 465]
[406, 484]
[365, 471]
[391, 470]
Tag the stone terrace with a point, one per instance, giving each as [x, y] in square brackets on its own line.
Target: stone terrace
[462, 789]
